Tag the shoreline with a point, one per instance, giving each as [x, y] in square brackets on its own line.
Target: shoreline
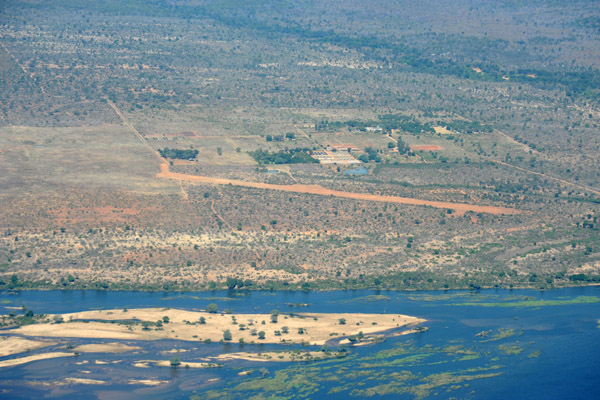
[203, 289]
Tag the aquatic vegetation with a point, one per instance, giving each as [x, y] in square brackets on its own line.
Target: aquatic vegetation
[535, 354]
[536, 303]
[501, 333]
[450, 296]
[406, 369]
[216, 298]
[511, 349]
[364, 299]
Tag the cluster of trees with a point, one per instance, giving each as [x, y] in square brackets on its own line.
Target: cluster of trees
[187, 154]
[280, 138]
[386, 122]
[467, 126]
[402, 147]
[372, 155]
[239, 283]
[291, 156]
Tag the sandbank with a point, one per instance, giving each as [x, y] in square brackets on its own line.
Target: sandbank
[147, 382]
[13, 345]
[148, 324]
[82, 381]
[24, 360]
[105, 348]
[182, 364]
[281, 356]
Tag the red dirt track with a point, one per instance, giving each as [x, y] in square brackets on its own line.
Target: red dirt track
[320, 190]
[426, 147]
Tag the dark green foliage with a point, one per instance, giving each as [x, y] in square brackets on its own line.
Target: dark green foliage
[467, 126]
[212, 308]
[291, 156]
[386, 122]
[402, 147]
[178, 153]
[371, 155]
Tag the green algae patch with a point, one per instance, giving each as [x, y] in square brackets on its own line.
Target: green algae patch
[536, 302]
[535, 354]
[511, 349]
[364, 299]
[501, 333]
[429, 384]
[450, 366]
[409, 360]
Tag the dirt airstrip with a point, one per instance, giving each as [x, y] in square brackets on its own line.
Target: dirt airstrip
[165, 173]
[426, 147]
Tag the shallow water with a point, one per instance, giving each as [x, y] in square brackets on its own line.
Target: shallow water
[541, 345]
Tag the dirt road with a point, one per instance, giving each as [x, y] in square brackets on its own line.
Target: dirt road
[165, 173]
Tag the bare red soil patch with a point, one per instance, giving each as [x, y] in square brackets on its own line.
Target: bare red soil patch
[320, 190]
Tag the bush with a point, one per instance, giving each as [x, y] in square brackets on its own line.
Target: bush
[227, 335]
[212, 308]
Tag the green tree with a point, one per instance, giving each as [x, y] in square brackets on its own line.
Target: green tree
[227, 335]
[402, 147]
[212, 308]
[274, 316]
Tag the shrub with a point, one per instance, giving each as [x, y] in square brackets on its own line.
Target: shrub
[212, 308]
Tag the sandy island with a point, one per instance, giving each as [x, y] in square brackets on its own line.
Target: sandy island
[105, 348]
[282, 356]
[10, 345]
[24, 360]
[156, 324]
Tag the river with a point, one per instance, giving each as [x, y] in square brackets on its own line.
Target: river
[531, 344]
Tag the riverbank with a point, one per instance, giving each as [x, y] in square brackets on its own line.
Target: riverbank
[400, 282]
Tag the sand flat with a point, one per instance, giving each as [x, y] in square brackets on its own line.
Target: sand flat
[105, 348]
[83, 381]
[311, 328]
[28, 359]
[146, 382]
[280, 356]
[13, 345]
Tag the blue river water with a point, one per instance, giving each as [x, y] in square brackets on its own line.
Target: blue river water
[537, 345]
